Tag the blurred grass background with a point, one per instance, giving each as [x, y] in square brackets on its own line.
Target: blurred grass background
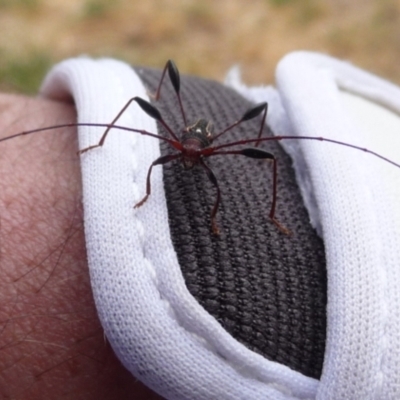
[203, 37]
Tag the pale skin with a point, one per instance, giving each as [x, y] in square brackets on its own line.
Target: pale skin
[52, 345]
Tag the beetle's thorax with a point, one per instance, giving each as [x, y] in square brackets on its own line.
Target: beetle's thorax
[194, 139]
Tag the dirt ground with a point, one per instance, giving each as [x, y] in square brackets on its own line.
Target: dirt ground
[204, 38]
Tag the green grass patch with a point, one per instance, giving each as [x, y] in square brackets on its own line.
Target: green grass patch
[279, 3]
[28, 4]
[97, 8]
[23, 75]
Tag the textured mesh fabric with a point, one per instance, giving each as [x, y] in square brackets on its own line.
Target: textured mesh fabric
[266, 288]
[155, 326]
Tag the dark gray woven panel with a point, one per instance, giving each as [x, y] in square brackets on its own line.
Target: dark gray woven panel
[265, 288]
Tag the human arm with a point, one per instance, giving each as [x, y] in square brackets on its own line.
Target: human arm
[51, 341]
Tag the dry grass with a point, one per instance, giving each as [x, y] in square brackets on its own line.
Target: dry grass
[204, 38]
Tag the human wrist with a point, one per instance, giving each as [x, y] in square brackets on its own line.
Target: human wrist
[49, 327]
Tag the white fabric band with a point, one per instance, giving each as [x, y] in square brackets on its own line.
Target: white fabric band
[353, 201]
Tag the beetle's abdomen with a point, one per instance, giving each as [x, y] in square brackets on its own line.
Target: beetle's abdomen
[198, 132]
[195, 138]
